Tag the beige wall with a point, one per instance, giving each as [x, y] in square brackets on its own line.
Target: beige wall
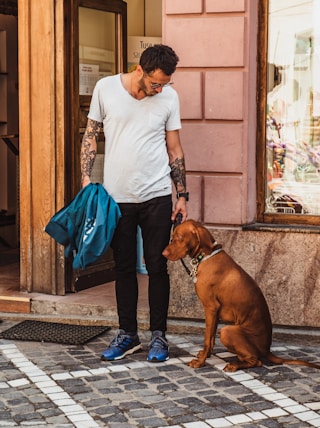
[216, 43]
[144, 18]
[216, 82]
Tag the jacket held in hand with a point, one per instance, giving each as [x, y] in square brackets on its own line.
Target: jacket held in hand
[85, 226]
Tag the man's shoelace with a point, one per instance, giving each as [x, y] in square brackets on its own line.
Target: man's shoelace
[159, 342]
[121, 339]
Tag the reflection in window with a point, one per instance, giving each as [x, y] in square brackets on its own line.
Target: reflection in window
[293, 108]
[96, 47]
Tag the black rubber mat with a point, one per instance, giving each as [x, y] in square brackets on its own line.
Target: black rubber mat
[40, 331]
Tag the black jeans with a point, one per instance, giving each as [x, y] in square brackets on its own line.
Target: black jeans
[154, 218]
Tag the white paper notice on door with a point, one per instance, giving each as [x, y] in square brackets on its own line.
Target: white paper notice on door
[88, 76]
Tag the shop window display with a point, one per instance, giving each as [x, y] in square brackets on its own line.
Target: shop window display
[293, 108]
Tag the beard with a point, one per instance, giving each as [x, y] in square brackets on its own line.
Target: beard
[143, 87]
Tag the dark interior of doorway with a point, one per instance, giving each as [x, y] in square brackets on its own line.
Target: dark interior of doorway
[9, 252]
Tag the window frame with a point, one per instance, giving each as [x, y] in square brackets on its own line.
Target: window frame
[261, 172]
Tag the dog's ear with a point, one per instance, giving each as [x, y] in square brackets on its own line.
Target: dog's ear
[205, 238]
[194, 241]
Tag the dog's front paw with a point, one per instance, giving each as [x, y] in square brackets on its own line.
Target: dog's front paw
[203, 354]
[230, 368]
[196, 363]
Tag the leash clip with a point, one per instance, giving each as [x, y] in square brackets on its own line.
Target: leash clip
[193, 272]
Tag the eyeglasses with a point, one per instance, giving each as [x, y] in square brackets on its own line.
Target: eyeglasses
[160, 85]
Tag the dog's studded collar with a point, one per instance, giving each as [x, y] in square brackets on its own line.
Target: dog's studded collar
[200, 258]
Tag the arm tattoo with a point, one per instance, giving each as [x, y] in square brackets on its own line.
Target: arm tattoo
[87, 159]
[178, 174]
[88, 154]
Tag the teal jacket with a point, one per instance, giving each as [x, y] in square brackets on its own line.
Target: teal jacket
[85, 227]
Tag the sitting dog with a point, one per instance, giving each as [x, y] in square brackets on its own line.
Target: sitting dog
[229, 294]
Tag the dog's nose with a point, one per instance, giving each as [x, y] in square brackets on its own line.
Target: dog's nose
[165, 253]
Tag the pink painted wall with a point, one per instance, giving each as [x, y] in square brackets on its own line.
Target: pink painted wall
[216, 82]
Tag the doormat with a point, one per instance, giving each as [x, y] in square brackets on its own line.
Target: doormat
[40, 331]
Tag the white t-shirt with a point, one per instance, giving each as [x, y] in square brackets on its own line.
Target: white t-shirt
[136, 164]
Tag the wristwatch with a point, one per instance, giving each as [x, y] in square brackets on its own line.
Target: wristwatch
[184, 195]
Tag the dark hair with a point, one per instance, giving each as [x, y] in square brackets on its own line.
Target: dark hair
[159, 57]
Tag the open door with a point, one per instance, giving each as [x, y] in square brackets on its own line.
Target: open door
[98, 48]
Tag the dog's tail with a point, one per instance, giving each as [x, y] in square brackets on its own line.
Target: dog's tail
[277, 360]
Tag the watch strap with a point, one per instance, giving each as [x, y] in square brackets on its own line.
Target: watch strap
[184, 195]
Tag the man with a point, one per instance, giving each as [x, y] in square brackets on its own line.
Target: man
[139, 112]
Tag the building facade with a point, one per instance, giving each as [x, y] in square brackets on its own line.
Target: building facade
[223, 80]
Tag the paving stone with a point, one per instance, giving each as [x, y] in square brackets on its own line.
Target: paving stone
[183, 419]
[5, 415]
[131, 405]
[117, 417]
[174, 411]
[59, 420]
[46, 413]
[259, 406]
[167, 387]
[106, 410]
[92, 402]
[141, 413]
[151, 422]
[20, 417]
[132, 393]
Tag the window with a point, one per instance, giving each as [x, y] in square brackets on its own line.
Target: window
[290, 187]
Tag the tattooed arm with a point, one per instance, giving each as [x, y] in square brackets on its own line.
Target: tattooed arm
[89, 150]
[178, 174]
[178, 171]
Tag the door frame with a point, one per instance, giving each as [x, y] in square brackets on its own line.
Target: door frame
[77, 107]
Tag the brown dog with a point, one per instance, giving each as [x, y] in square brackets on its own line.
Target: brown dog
[228, 294]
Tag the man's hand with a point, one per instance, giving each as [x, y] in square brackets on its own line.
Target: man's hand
[180, 207]
[85, 181]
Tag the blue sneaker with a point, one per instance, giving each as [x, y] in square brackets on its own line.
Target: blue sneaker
[159, 348]
[123, 344]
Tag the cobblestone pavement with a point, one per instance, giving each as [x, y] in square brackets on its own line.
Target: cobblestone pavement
[62, 386]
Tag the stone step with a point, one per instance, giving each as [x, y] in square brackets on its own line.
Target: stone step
[15, 304]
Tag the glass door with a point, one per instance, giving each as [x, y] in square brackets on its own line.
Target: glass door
[98, 48]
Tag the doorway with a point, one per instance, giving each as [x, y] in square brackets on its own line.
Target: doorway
[144, 27]
[9, 149]
[108, 39]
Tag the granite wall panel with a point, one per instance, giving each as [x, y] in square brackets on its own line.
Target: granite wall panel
[285, 264]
